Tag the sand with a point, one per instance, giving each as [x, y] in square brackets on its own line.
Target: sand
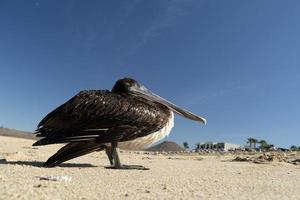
[169, 177]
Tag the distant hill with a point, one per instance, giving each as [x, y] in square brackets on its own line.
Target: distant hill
[16, 133]
[166, 146]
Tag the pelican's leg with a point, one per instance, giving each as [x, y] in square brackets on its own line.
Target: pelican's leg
[109, 155]
[117, 163]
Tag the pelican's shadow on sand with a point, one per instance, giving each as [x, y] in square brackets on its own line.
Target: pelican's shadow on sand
[40, 164]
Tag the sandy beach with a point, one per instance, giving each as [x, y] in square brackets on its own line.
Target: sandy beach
[170, 176]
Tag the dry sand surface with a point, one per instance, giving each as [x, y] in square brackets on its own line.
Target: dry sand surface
[169, 177]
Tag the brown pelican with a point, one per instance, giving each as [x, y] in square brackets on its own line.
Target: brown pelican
[129, 116]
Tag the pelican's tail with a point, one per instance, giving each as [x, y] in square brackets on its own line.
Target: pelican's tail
[73, 150]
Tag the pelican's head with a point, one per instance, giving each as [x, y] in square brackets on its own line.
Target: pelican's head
[134, 88]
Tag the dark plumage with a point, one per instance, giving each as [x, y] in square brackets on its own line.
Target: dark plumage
[99, 119]
[121, 117]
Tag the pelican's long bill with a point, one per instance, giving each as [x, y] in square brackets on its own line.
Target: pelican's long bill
[143, 92]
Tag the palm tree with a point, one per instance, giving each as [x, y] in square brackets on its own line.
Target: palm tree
[249, 141]
[293, 148]
[197, 146]
[254, 141]
[270, 146]
[263, 144]
[186, 145]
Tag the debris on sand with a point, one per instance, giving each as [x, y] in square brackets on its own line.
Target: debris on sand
[39, 186]
[262, 159]
[185, 158]
[295, 162]
[147, 157]
[242, 159]
[55, 178]
[265, 158]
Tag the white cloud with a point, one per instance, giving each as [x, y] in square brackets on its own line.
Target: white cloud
[174, 10]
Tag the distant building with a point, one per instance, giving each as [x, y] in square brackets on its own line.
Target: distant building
[220, 146]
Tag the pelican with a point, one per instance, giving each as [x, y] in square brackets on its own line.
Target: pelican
[128, 117]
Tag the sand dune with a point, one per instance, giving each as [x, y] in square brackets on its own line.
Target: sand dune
[169, 177]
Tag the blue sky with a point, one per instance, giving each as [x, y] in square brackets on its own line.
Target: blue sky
[234, 62]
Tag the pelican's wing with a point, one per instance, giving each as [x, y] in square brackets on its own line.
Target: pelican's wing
[97, 115]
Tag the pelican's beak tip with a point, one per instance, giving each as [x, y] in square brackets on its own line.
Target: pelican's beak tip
[203, 120]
